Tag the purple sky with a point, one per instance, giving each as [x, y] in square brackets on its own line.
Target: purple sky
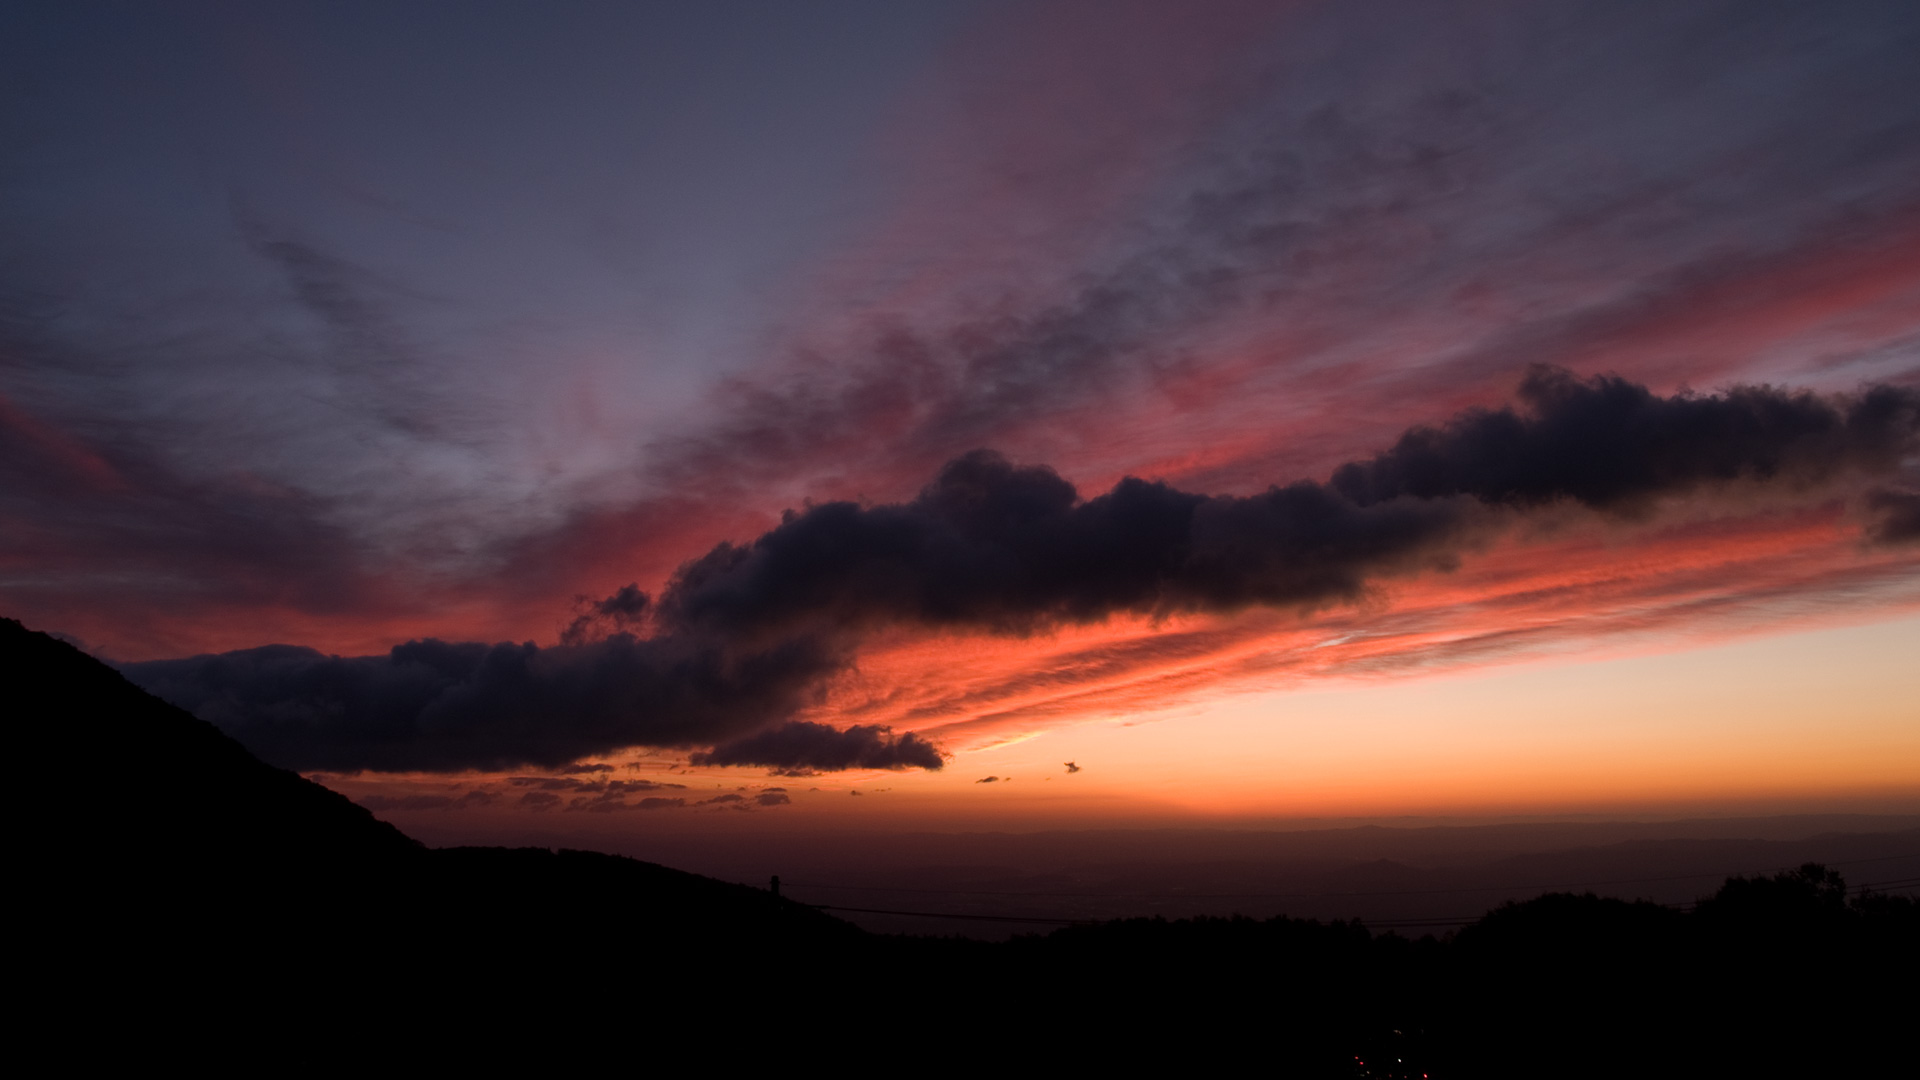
[341, 325]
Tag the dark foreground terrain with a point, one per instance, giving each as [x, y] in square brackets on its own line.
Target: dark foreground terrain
[185, 902]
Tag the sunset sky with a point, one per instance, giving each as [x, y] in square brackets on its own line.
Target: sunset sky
[706, 410]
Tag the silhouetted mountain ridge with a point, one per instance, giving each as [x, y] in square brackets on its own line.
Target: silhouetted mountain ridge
[191, 883]
[208, 809]
[183, 790]
[215, 907]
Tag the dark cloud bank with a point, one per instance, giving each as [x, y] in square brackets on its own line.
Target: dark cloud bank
[800, 747]
[747, 635]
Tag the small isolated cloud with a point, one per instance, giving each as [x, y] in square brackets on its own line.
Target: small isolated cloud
[615, 802]
[722, 799]
[801, 747]
[590, 787]
[988, 780]
[539, 800]
[1071, 767]
[853, 792]
[544, 783]
[641, 785]
[772, 798]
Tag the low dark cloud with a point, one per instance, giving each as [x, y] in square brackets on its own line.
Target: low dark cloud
[435, 705]
[544, 783]
[995, 546]
[614, 804]
[539, 800]
[624, 611]
[736, 801]
[588, 787]
[1071, 767]
[1896, 516]
[991, 545]
[800, 746]
[988, 780]
[641, 785]
[1610, 444]
[745, 636]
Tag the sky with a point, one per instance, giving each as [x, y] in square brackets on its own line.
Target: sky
[1010, 414]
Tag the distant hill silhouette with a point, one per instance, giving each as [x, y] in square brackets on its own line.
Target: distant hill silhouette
[186, 902]
[149, 779]
[181, 882]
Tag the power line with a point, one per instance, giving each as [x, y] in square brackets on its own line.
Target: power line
[1314, 895]
[953, 915]
[1374, 924]
[1903, 883]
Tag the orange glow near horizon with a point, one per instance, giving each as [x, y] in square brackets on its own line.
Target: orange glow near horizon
[1819, 721]
[1678, 587]
[1628, 699]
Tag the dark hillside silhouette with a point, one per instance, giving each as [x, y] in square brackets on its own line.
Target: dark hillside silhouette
[215, 904]
[145, 778]
[188, 903]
